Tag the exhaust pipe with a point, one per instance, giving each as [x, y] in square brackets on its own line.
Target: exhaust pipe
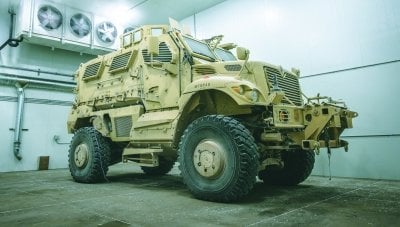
[18, 122]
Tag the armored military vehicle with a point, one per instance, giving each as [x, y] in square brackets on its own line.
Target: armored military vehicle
[166, 96]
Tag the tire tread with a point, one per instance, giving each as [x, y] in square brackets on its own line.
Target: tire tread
[248, 164]
[101, 156]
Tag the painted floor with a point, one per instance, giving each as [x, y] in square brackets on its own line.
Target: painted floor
[130, 198]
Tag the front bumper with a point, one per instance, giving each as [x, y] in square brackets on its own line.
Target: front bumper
[313, 125]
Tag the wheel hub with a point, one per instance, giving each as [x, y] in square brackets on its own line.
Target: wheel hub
[209, 158]
[81, 155]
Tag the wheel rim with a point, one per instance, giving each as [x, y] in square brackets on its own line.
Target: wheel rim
[81, 155]
[209, 158]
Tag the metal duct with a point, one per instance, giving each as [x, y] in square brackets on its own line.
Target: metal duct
[18, 121]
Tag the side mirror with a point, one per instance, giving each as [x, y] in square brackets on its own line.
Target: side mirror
[242, 53]
[153, 45]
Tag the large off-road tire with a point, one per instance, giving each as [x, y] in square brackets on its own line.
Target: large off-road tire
[298, 165]
[164, 166]
[218, 159]
[89, 156]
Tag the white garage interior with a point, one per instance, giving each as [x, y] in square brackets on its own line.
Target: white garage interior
[347, 50]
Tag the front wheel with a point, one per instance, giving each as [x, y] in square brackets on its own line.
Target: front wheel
[298, 165]
[89, 156]
[218, 159]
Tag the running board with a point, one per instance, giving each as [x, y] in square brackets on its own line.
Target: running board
[142, 156]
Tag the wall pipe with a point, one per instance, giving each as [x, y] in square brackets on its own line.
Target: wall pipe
[18, 121]
[67, 85]
[38, 71]
[13, 42]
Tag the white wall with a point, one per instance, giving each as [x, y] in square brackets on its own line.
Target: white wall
[43, 121]
[357, 41]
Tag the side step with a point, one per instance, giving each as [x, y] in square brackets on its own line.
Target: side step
[142, 156]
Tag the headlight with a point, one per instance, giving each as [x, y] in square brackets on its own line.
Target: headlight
[249, 93]
[254, 95]
[241, 90]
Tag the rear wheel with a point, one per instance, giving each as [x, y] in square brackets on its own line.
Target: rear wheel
[164, 166]
[298, 165]
[116, 152]
[218, 159]
[89, 156]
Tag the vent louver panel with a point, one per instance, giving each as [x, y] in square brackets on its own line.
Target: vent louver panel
[288, 83]
[123, 126]
[92, 71]
[204, 70]
[233, 67]
[164, 55]
[120, 62]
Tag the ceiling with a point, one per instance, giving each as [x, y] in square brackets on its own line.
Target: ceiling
[138, 12]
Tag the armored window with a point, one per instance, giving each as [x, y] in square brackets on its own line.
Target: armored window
[200, 48]
[137, 36]
[156, 31]
[225, 55]
[127, 40]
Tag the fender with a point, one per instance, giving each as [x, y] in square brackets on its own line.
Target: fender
[238, 89]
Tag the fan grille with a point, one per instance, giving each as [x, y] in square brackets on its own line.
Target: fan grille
[106, 32]
[80, 25]
[49, 17]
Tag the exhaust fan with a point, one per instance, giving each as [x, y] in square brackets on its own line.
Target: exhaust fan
[52, 23]
[106, 32]
[49, 17]
[80, 25]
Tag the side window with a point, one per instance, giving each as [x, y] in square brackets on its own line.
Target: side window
[156, 31]
[127, 40]
[137, 36]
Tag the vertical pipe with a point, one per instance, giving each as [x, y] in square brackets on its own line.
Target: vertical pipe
[18, 121]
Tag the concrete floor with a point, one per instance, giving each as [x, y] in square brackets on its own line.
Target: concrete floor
[51, 198]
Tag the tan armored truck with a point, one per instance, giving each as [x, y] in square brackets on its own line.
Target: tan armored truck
[165, 96]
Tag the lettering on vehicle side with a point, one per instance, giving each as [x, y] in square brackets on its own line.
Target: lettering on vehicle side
[202, 85]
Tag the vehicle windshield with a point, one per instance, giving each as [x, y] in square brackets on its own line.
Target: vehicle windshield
[200, 48]
[225, 55]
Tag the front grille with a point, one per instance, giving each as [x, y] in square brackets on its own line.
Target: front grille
[120, 62]
[92, 70]
[123, 126]
[287, 82]
[164, 54]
